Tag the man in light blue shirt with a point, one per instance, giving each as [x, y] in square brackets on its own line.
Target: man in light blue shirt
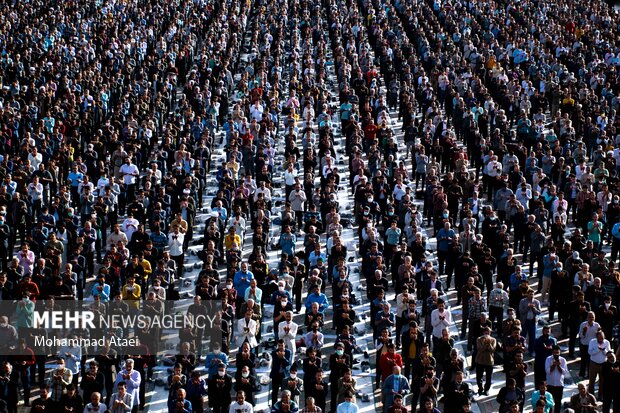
[317, 297]
[394, 385]
[242, 279]
[347, 406]
[615, 246]
[215, 359]
[72, 354]
[132, 379]
[11, 185]
[316, 254]
[543, 394]
[287, 241]
[101, 289]
[392, 234]
[254, 292]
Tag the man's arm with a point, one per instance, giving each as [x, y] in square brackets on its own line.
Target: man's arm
[135, 379]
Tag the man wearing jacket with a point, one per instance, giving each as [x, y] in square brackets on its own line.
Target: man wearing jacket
[280, 365]
[412, 341]
[394, 384]
[485, 359]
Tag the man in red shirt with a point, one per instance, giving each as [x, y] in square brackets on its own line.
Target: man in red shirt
[370, 132]
[389, 360]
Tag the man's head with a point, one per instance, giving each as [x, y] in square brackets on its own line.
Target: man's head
[95, 398]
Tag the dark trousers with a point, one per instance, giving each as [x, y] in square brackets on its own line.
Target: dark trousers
[496, 315]
[23, 373]
[615, 248]
[276, 385]
[297, 291]
[179, 259]
[539, 375]
[556, 392]
[573, 330]
[400, 322]
[441, 257]
[585, 360]
[480, 370]
[464, 323]
[610, 399]
[415, 396]
[408, 368]
[38, 368]
[197, 404]
[299, 218]
[535, 257]
[334, 393]
[529, 329]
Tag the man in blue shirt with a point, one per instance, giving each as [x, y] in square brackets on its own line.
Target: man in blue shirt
[615, 245]
[101, 289]
[242, 279]
[517, 278]
[395, 385]
[75, 177]
[181, 404]
[229, 127]
[444, 239]
[10, 184]
[215, 359]
[550, 262]
[287, 241]
[347, 406]
[317, 297]
[315, 255]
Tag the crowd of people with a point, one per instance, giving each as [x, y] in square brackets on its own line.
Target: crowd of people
[506, 170]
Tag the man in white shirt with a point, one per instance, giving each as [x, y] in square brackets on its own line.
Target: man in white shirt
[399, 191]
[246, 329]
[240, 405]
[314, 338]
[35, 158]
[287, 331]
[493, 172]
[290, 177]
[102, 183]
[256, 111]
[556, 369]
[175, 244]
[130, 225]
[587, 332]
[440, 318]
[597, 349]
[130, 173]
[262, 189]
[35, 193]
